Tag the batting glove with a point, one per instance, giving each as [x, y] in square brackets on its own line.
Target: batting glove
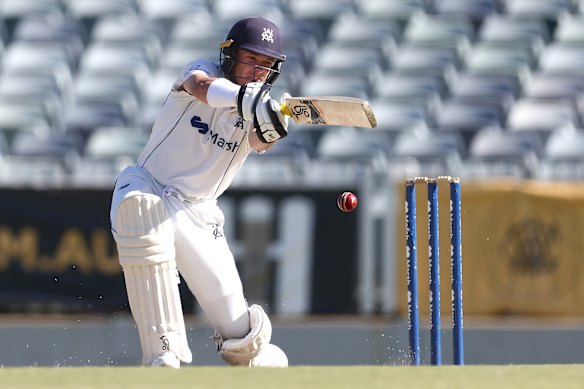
[271, 124]
[249, 96]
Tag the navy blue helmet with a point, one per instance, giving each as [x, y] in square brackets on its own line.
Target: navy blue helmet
[257, 35]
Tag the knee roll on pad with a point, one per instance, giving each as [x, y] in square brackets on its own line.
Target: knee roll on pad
[143, 231]
[145, 243]
[254, 350]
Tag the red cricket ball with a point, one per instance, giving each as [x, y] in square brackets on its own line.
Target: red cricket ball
[347, 202]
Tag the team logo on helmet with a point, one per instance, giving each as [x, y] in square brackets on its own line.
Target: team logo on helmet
[268, 35]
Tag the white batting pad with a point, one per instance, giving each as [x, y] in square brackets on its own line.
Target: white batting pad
[254, 350]
[270, 356]
[146, 249]
[143, 231]
[156, 307]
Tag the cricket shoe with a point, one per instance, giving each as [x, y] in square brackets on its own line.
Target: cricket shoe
[166, 359]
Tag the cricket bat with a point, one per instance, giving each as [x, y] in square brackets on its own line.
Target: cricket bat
[330, 110]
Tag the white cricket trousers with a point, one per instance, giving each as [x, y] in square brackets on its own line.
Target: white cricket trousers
[203, 257]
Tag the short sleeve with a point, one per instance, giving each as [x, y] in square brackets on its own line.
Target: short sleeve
[209, 68]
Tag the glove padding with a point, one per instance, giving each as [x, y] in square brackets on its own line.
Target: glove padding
[270, 123]
[249, 96]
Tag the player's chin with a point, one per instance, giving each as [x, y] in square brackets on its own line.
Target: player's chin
[242, 80]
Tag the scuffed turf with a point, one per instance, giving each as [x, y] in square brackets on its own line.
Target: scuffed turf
[300, 377]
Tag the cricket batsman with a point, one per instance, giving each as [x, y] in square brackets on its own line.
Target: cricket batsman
[164, 213]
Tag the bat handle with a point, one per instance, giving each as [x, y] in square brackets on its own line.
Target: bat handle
[285, 110]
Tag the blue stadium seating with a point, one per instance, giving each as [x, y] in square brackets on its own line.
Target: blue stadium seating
[476, 70]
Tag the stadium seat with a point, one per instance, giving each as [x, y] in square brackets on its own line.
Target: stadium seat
[485, 58]
[131, 31]
[570, 30]
[47, 106]
[353, 143]
[192, 31]
[44, 81]
[430, 68]
[565, 144]
[421, 90]
[417, 60]
[82, 119]
[116, 142]
[426, 153]
[340, 61]
[325, 11]
[563, 156]
[41, 172]
[177, 56]
[497, 89]
[495, 152]
[160, 85]
[466, 117]
[283, 164]
[148, 114]
[65, 31]
[233, 10]
[540, 9]
[62, 148]
[542, 117]
[398, 116]
[302, 27]
[545, 115]
[105, 59]
[357, 31]
[107, 151]
[474, 10]
[4, 33]
[555, 87]
[14, 10]
[509, 31]
[104, 91]
[561, 58]
[98, 173]
[171, 10]
[40, 58]
[299, 144]
[18, 117]
[300, 51]
[394, 86]
[325, 84]
[395, 10]
[451, 32]
[4, 146]
[348, 155]
[428, 145]
[89, 11]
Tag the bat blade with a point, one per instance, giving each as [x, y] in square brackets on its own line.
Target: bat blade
[330, 110]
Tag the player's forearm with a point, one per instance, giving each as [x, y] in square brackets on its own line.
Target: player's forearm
[217, 92]
[256, 143]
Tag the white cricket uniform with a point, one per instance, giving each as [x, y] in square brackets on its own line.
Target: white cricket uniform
[192, 156]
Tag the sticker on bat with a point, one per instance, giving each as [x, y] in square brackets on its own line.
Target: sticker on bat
[307, 109]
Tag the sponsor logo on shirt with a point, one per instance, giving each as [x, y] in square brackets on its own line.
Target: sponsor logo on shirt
[212, 137]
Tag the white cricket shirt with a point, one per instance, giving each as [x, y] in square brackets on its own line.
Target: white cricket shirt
[194, 147]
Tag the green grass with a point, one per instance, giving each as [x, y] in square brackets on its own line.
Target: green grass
[300, 377]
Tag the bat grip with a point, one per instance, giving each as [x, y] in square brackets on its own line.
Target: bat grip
[285, 110]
